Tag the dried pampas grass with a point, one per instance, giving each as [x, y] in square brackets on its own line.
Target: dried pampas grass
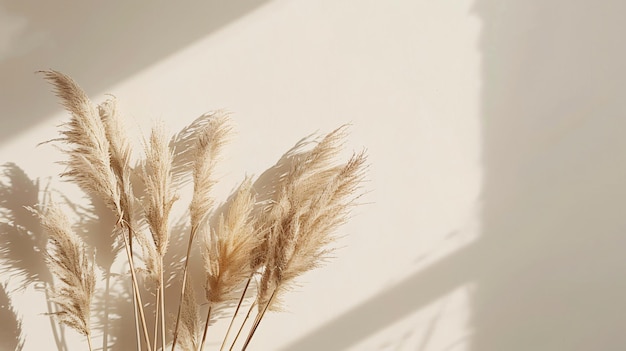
[73, 271]
[89, 149]
[191, 327]
[270, 231]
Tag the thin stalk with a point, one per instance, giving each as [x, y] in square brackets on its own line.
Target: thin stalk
[57, 340]
[128, 244]
[156, 318]
[137, 324]
[232, 320]
[162, 289]
[242, 325]
[89, 342]
[258, 321]
[182, 289]
[136, 289]
[63, 341]
[105, 322]
[206, 327]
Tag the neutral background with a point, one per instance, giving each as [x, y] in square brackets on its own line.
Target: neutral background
[496, 194]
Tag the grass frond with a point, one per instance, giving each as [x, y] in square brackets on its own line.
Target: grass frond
[161, 195]
[208, 145]
[72, 268]
[190, 332]
[87, 147]
[300, 224]
[228, 246]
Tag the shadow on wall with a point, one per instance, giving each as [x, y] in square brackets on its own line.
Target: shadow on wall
[97, 43]
[549, 265]
[554, 113]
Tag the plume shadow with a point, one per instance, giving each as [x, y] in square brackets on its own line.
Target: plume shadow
[11, 331]
[23, 241]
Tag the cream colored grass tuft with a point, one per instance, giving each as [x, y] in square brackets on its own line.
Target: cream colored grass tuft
[191, 329]
[72, 268]
[270, 232]
[228, 246]
[209, 142]
[88, 148]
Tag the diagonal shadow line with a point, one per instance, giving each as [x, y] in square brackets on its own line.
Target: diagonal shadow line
[97, 43]
[393, 304]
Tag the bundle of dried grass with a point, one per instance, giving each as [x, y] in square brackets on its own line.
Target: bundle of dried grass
[279, 238]
[314, 200]
[93, 165]
[306, 173]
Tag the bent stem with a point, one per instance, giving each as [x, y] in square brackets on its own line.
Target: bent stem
[206, 327]
[232, 320]
[105, 329]
[57, 339]
[182, 289]
[258, 321]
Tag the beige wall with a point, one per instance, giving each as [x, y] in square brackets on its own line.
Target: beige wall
[494, 129]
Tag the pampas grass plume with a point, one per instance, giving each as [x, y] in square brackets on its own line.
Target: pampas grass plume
[88, 151]
[73, 269]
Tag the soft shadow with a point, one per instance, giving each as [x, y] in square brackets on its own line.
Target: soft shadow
[98, 43]
[23, 242]
[554, 117]
[11, 331]
[547, 266]
[393, 304]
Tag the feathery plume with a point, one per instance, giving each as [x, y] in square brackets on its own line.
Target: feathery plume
[68, 261]
[184, 143]
[209, 143]
[305, 174]
[120, 155]
[157, 177]
[228, 246]
[88, 149]
[227, 250]
[300, 225]
[190, 330]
